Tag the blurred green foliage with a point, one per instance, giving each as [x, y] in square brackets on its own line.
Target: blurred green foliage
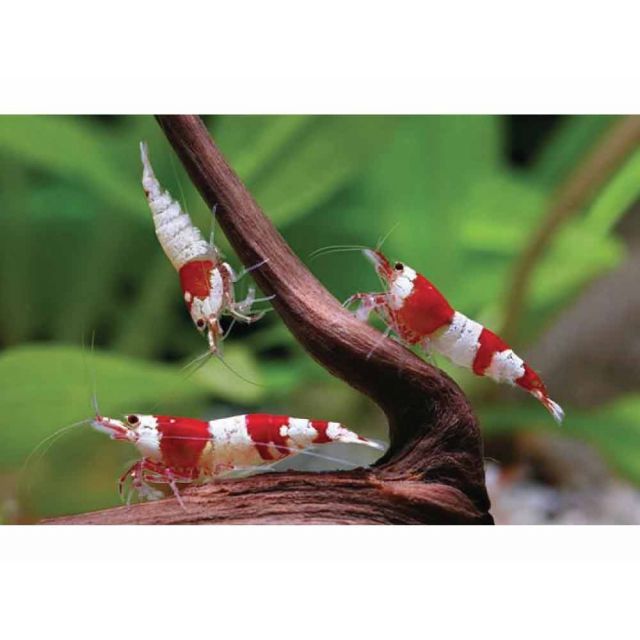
[78, 255]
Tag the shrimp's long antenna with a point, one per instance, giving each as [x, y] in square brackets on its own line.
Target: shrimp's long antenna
[228, 366]
[94, 389]
[194, 365]
[199, 361]
[49, 441]
[232, 324]
[90, 372]
[58, 433]
[384, 238]
[335, 248]
[340, 248]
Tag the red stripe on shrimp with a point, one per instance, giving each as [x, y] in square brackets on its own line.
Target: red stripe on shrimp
[424, 310]
[490, 344]
[182, 440]
[531, 381]
[321, 427]
[195, 279]
[265, 431]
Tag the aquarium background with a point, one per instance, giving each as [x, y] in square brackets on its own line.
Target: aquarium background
[89, 302]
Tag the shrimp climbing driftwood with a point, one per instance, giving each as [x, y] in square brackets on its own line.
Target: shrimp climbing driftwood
[420, 315]
[433, 471]
[207, 281]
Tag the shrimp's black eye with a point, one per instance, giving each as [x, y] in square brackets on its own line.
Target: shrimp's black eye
[133, 419]
[200, 323]
[398, 266]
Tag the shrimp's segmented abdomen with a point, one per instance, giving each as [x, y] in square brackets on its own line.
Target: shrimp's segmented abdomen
[180, 239]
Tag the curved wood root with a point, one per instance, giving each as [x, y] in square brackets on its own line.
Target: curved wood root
[433, 471]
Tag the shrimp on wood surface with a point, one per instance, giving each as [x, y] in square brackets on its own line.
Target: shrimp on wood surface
[419, 314]
[184, 450]
[206, 281]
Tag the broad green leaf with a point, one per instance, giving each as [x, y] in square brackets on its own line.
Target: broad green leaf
[418, 184]
[154, 308]
[415, 190]
[16, 253]
[52, 270]
[254, 143]
[69, 148]
[496, 219]
[298, 162]
[499, 214]
[110, 253]
[237, 377]
[283, 377]
[237, 134]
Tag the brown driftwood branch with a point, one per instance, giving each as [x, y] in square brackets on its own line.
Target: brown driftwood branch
[433, 471]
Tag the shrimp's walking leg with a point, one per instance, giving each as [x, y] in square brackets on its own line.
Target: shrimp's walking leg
[368, 302]
[240, 310]
[384, 335]
[160, 474]
[131, 472]
[237, 277]
[137, 473]
[173, 483]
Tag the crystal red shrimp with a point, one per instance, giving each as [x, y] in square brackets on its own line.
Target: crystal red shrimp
[206, 281]
[183, 450]
[418, 313]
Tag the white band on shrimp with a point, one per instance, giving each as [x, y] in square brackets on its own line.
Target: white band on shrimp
[179, 238]
[459, 341]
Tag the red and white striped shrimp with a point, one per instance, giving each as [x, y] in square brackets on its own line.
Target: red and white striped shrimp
[419, 314]
[206, 281]
[184, 450]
